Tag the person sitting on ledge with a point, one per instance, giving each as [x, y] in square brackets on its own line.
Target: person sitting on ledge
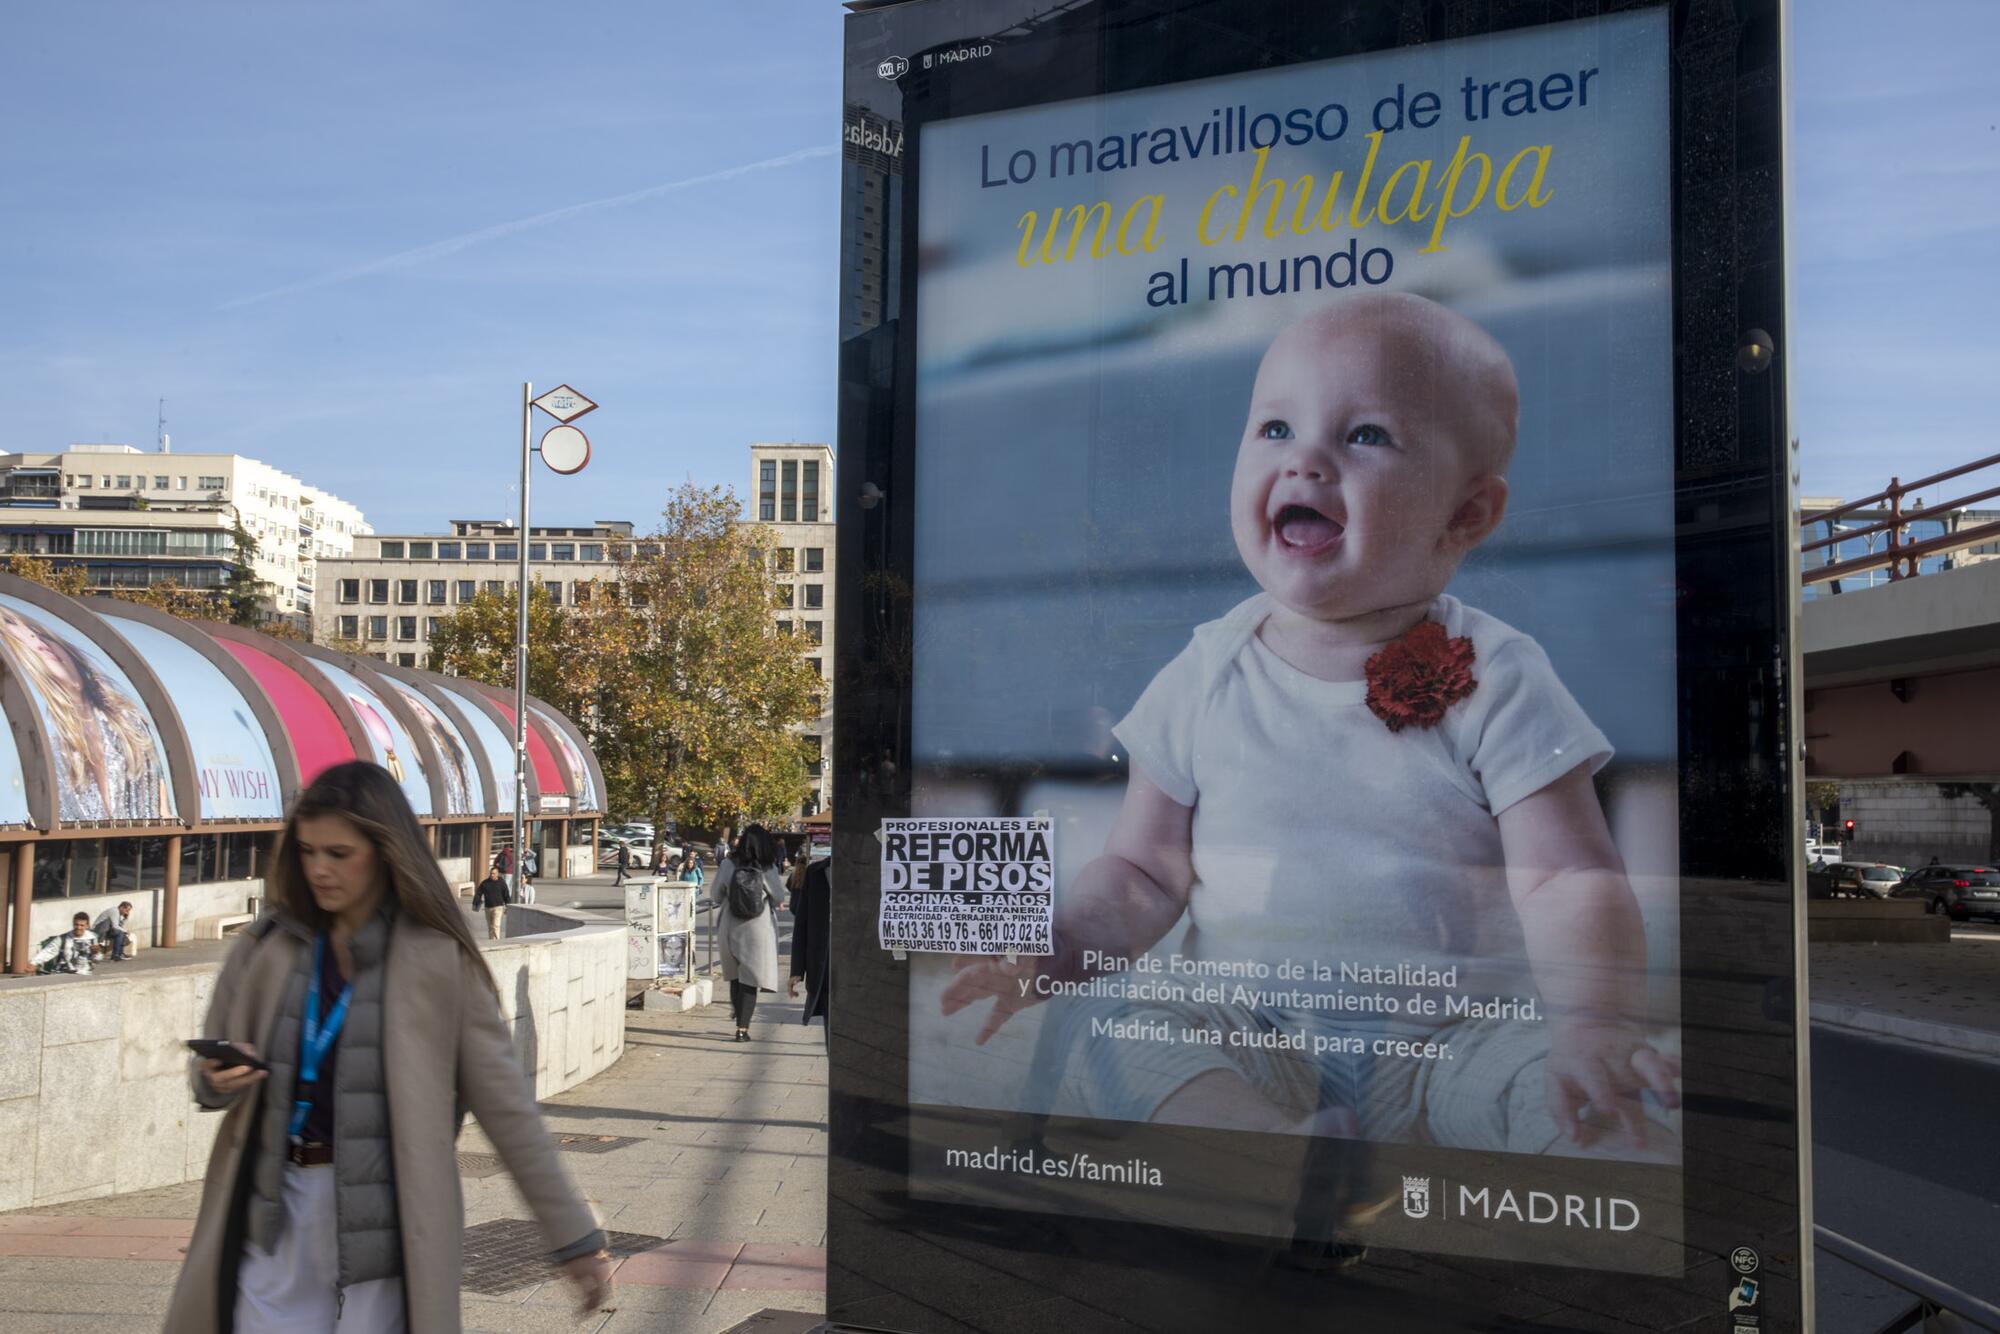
[70, 952]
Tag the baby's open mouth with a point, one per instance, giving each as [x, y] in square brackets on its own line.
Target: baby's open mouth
[1304, 528]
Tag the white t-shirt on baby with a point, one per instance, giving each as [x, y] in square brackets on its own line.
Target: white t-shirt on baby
[1321, 835]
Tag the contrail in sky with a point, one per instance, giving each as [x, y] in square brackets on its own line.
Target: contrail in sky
[423, 254]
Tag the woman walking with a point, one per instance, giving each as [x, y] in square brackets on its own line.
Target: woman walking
[332, 1197]
[748, 889]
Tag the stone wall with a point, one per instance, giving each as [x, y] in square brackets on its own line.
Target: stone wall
[93, 1078]
[1907, 823]
[221, 898]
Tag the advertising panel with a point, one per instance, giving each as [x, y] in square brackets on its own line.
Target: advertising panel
[393, 749]
[461, 776]
[13, 788]
[585, 787]
[317, 737]
[492, 742]
[1293, 542]
[110, 761]
[232, 755]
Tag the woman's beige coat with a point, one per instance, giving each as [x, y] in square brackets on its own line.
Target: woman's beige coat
[445, 1047]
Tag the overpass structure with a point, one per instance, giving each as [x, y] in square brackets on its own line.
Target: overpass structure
[1903, 678]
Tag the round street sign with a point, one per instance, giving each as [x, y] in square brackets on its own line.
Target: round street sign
[565, 449]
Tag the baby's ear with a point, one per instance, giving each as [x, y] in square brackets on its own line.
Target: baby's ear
[1479, 512]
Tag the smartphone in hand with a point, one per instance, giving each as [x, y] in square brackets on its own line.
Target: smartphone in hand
[217, 1049]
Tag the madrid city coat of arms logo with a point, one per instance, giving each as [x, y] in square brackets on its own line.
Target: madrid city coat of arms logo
[1417, 1197]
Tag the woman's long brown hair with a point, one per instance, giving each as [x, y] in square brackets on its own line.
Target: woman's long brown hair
[368, 798]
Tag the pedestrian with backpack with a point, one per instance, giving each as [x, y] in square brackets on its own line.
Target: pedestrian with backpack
[748, 890]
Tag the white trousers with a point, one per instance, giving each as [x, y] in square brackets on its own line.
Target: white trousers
[291, 1290]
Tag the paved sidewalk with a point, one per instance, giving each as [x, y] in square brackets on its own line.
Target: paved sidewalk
[1943, 997]
[705, 1158]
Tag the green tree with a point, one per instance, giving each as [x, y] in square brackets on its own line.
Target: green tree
[246, 597]
[708, 707]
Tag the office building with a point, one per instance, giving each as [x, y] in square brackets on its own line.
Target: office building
[133, 518]
[390, 595]
[792, 496]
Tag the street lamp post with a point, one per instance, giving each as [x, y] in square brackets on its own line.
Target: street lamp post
[565, 450]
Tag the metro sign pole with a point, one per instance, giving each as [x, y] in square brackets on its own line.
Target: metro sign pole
[566, 451]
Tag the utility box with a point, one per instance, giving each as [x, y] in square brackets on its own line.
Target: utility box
[659, 929]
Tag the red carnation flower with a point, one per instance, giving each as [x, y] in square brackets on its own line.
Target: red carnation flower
[1414, 679]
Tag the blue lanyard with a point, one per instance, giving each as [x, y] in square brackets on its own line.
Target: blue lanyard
[318, 1039]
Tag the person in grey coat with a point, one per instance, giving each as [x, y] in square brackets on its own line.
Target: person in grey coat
[748, 889]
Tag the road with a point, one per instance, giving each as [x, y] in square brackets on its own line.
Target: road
[1904, 1161]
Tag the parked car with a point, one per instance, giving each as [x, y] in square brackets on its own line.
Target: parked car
[1959, 892]
[1818, 853]
[1849, 880]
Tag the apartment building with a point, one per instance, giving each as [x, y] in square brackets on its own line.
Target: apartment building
[133, 518]
[392, 592]
[792, 497]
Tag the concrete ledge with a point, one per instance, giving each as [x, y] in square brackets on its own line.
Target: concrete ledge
[1949, 1038]
[678, 1000]
[94, 1096]
[1874, 922]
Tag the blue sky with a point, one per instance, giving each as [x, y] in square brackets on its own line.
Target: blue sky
[318, 232]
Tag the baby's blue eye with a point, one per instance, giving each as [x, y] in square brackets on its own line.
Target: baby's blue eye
[1369, 434]
[1275, 430]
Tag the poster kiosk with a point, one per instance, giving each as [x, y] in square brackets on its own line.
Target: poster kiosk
[1318, 735]
[659, 929]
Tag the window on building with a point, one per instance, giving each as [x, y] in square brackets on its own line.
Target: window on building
[467, 589]
[562, 551]
[590, 551]
[105, 480]
[406, 592]
[406, 628]
[815, 595]
[815, 632]
[350, 627]
[431, 626]
[181, 483]
[767, 491]
[538, 551]
[788, 492]
[434, 592]
[815, 665]
[159, 483]
[214, 483]
[378, 627]
[421, 551]
[506, 551]
[555, 593]
[392, 551]
[479, 551]
[621, 551]
[585, 589]
[449, 550]
[124, 481]
[784, 595]
[784, 627]
[378, 591]
[406, 659]
[120, 542]
[495, 587]
[85, 482]
[350, 590]
[813, 559]
[809, 493]
[454, 841]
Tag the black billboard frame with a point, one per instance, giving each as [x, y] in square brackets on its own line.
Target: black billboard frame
[901, 1263]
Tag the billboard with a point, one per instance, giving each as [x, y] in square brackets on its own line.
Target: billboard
[109, 759]
[391, 745]
[461, 774]
[1286, 555]
[232, 756]
[587, 798]
[488, 736]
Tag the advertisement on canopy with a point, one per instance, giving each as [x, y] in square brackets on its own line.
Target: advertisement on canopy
[391, 745]
[461, 777]
[1291, 493]
[232, 756]
[110, 762]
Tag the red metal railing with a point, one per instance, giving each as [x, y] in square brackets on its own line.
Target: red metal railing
[1898, 553]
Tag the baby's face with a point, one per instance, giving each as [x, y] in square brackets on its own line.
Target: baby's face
[1351, 470]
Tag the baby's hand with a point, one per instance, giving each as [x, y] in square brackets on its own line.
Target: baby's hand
[1607, 1065]
[980, 976]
